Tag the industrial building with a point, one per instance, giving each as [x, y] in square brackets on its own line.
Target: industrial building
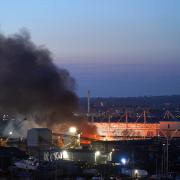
[134, 130]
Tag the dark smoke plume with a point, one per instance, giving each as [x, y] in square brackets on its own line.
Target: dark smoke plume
[31, 84]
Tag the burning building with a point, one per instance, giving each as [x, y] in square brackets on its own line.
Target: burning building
[121, 130]
[117, 131]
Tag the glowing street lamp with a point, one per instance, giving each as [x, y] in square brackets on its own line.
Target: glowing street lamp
[10, 133]
[97, 153]
[73, 130]
[123, 161]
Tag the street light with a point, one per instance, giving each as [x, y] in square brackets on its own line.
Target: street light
[168, 138]
[97, 153]
[73, 130]
[10, 133]
[110, 156]
[123, 161]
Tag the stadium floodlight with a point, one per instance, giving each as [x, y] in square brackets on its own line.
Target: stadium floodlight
[73, 130]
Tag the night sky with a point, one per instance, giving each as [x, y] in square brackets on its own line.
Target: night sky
[111, 47]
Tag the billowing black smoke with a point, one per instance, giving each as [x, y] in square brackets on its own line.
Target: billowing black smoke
[31, 84]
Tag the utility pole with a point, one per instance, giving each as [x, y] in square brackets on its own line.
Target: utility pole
[88, 103]
[168, 137]
[126, 119]
[145, 118]
[167, 156]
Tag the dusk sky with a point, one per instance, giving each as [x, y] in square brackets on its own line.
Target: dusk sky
[111, 47]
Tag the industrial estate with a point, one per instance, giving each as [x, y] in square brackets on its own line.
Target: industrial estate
[118, 147]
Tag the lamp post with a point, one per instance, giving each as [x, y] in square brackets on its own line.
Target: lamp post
[168, 135]
[167, 155]
[97, 153]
